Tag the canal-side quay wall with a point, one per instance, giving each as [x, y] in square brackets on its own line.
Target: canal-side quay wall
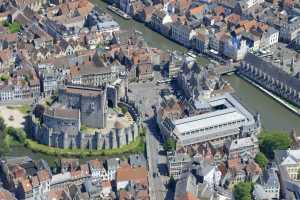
[267, 92]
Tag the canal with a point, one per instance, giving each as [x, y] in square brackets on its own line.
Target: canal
[274, 116]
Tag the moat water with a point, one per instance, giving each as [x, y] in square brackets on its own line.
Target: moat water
[273, 115]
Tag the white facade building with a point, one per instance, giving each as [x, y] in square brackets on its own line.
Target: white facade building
[214, 126]
[182, 34]
[235, 52]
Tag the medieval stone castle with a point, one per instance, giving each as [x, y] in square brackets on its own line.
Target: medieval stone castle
[81, 118]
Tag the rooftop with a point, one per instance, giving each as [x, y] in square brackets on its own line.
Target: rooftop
[83, 91]
[242, 142]
[207, 120]
[137, 174]
[62, 112]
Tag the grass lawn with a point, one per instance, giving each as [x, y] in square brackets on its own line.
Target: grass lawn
[134, 147]
[24, 109]
[14, 27]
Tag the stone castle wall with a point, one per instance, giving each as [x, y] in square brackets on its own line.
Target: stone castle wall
[93, 108]
[68, 131]
[115, 138]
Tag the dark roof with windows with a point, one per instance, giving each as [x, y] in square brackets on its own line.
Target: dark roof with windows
[273, 71]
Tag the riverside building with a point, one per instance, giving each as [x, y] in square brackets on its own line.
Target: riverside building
[225, 119]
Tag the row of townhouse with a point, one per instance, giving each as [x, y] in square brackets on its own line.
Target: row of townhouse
[29, 179]
[246, 35]
[184, 21]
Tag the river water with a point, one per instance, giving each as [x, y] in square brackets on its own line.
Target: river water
[274, 116]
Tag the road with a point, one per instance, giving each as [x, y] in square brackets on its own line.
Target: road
[155, 160]
[147, 94]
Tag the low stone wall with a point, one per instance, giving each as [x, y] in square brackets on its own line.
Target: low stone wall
[97, 140]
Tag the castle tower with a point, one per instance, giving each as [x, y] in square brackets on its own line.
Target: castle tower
[103, 108]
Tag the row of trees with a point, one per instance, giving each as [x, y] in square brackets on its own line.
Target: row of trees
[268, 143]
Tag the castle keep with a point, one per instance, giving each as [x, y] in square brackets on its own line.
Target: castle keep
[81, 119]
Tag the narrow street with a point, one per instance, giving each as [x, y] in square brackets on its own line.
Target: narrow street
[144, 93]
[157, 187]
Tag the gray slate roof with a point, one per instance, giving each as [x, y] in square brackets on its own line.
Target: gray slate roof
[273, 71]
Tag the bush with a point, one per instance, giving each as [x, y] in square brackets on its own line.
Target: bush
[4, 143]
[18, 134]
[242, 191]
[261, 160]
[124, 109]
[4, 77]
[270, 141]
[142, 131]
[6, 23]
[136, 146]
[14, 27]
[2, 124]
[170, 144]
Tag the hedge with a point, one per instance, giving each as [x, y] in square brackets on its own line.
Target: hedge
[135, 146]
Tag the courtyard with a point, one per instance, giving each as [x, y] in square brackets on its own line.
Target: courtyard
[14, 116]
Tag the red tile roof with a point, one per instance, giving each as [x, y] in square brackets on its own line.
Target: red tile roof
[187, 196]
[26, 185]
[138, 174]
[233, 18]
[197, 10]
[43, 175]
[6, 195]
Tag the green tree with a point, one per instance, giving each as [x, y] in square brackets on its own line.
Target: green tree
[124, 109]
[4, 77]
[170, 144]
[17, 134]
[142, 131]
[14, 27]
[2, 124]
[4, 145]
[270, 141]
[242, 191]
[39, 110]
[261, 160]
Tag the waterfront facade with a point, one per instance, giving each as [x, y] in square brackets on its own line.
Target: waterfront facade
[182, 34]
[272, 78]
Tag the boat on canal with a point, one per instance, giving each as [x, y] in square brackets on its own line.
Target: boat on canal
[119, 12]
